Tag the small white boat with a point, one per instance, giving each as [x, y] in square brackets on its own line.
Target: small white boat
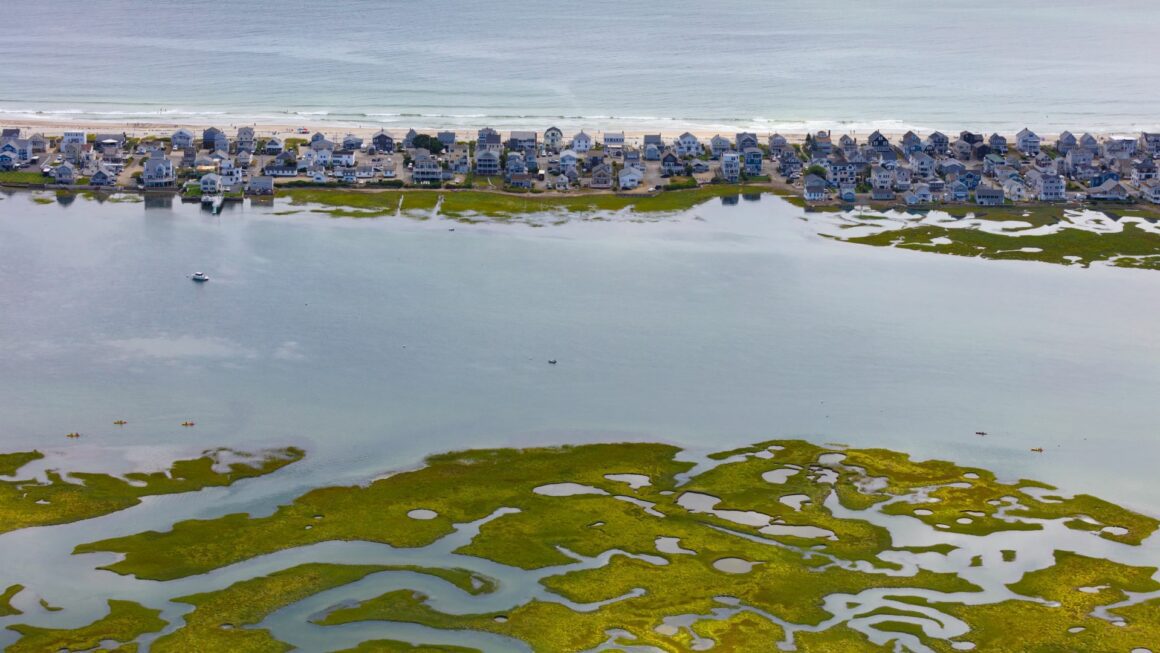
[199, 277]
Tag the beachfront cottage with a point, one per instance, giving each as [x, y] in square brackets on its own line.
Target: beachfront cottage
[1151, 192]
[698, 166]
[343, 157]
[601, 176]
[447, 138]
[409, 139]
[459, 158]
[158, 171]
[652, 152]
[1014, 189]
[181, 139]
[246, 140]
[998, 144]
[383, 143]
[260, 186]
[923, 164]
[352, 142]
[209, 135]
[593, 159]
[689, 145]
[719, 145]
[1027, 142]
[425, 168]
[820, 144]
[74, 138]
[970, 137]
[321, 144]
[1047, 187]
[879, 142]
[553, 139]
[1118, 149]
[753, 158]
[957, 191]
[1150, 143]
[614, 142]
[630, 178]
[743, 140]
[911, 143]
[902, 178]
[522, 141]
[1109, 191]
[104, 176]
[789, 165]
[9, 160]
[487, 163]
[581, 143]
[730, 166]
[937, 143]
[273, 146]
[488, 139]
[20, 148]
[961, 150]
[632, 158]
[777, 145]
[210, 184]
[814, 188]
[671, 163]
[988, 196]
[64, 173]
[515, 164]
[1089, 143]
[1066, 142]
[1143, 170]
[230, 173]
[920, 194]
[657, 141]
[881, 178]
[569, 160]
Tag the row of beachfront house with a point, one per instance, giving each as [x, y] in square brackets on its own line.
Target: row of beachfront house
[986, 169]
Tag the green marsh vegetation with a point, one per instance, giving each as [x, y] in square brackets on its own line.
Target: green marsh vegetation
[788, 574]
[26, 502]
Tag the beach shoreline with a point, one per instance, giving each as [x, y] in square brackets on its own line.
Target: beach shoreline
[283, 130]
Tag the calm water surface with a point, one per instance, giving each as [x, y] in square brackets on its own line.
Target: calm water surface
[373, 342]
[726, 64]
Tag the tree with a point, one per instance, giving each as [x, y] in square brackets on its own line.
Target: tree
[816, 170]
[429, 143]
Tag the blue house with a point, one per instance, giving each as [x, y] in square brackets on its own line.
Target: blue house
[753, 159]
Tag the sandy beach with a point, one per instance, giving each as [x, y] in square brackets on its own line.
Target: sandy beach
[286, 130]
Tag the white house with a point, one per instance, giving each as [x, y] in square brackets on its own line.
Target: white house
[581, 143]
[553, 139]
[1027, 141]
[814, 188]
[614, 140]
[688, 145]
[158, 171]
[730, 166]
[1151, 192]
[210, 184]
[630, 178]
[74, 138]
[64, 174]
[568, 160]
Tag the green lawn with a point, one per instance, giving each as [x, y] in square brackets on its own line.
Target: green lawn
[21, 177]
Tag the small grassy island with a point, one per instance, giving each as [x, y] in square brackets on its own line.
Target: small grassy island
[616, 545]
[59, 500]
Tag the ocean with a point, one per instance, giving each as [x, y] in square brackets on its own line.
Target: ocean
[722, 65]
